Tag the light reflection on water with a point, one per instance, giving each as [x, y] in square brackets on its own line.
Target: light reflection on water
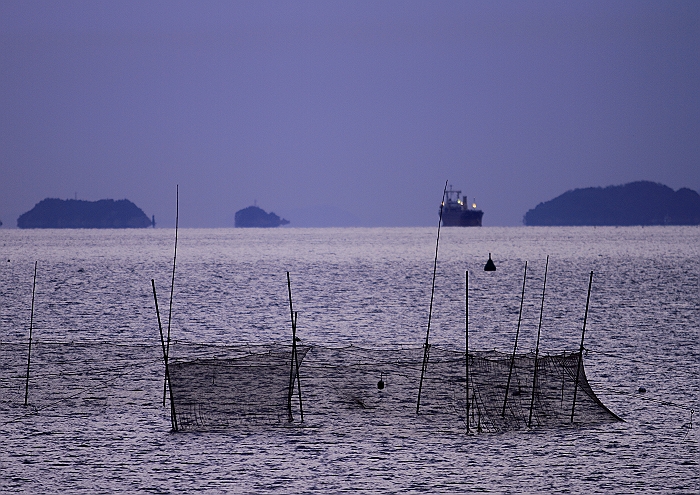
[368, 287]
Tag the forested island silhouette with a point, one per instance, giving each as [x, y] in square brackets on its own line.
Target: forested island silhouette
[636, 203]
[253, 216]
[53, 213]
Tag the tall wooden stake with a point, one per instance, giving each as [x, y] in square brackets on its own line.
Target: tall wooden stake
[295, 360]
[31, 325]
[172, 282]
[515, 346]
[173, 417]
[537, 347]
[426, 347]
[580, 352]
[466, 339]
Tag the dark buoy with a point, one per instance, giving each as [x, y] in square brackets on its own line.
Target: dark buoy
[380, 383]
[489, 266]
[641, 390]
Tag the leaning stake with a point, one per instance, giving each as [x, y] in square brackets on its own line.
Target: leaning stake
[426, 347]
[295, 360]
[580, 352]
[31, 324]
[172, 282]
[173, 418]
[515, 346]
[537, 347]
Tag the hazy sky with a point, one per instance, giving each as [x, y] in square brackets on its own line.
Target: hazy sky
[340, 112]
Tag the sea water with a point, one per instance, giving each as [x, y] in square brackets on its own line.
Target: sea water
[95, 420]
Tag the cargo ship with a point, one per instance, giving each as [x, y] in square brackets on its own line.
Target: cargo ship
[457, 212]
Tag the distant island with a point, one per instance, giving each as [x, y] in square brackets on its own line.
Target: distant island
[636, 203]
[52, 213]
[257, 217]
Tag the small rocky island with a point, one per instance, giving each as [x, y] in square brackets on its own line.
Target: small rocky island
[52, 213]
[636, 203]
[257, 217]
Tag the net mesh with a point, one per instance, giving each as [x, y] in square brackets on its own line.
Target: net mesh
[224, 386]
[76, 378]
[248, 385]
[357, 385]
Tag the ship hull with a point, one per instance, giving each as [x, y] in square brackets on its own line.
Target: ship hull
[462, 218]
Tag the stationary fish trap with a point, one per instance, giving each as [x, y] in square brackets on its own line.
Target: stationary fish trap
[74, 379]
[355, 386]
[225, 386]
[382, 387]
[559, 398]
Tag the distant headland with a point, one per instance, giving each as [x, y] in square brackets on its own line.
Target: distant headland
[52, 213]
[636, 203]
[257, 217]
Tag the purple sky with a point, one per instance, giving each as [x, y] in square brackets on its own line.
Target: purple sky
[343, 112]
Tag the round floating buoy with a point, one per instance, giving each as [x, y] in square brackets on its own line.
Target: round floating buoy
[641, 390]
[380, 383]
[490, 266]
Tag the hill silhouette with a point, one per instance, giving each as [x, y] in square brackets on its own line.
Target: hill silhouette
[253, 216]
[636, 203]
[52, 213]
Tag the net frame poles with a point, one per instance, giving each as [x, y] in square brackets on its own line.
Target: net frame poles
[426, 347]
[466, 343]
[515, 345]
[173, 415]
[31, 325]
[537, 346]
[294, 367]
[580, 355]
[172, 281]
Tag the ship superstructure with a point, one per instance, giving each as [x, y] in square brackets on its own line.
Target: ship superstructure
[457, 212]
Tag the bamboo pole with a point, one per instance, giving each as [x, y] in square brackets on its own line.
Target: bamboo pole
[173, 417]
[580, 352]
[515, 346]
[290, 417]
[172, 282]
[537, 347]
[296, 360]
[466, 340]
[426, 347]
[31, 325]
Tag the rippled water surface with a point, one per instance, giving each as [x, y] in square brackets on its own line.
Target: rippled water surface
[95, 420]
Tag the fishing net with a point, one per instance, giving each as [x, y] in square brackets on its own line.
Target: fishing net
[356, 386]
[349, 387]
[550, 405]
[242, 385]
[74, 379]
